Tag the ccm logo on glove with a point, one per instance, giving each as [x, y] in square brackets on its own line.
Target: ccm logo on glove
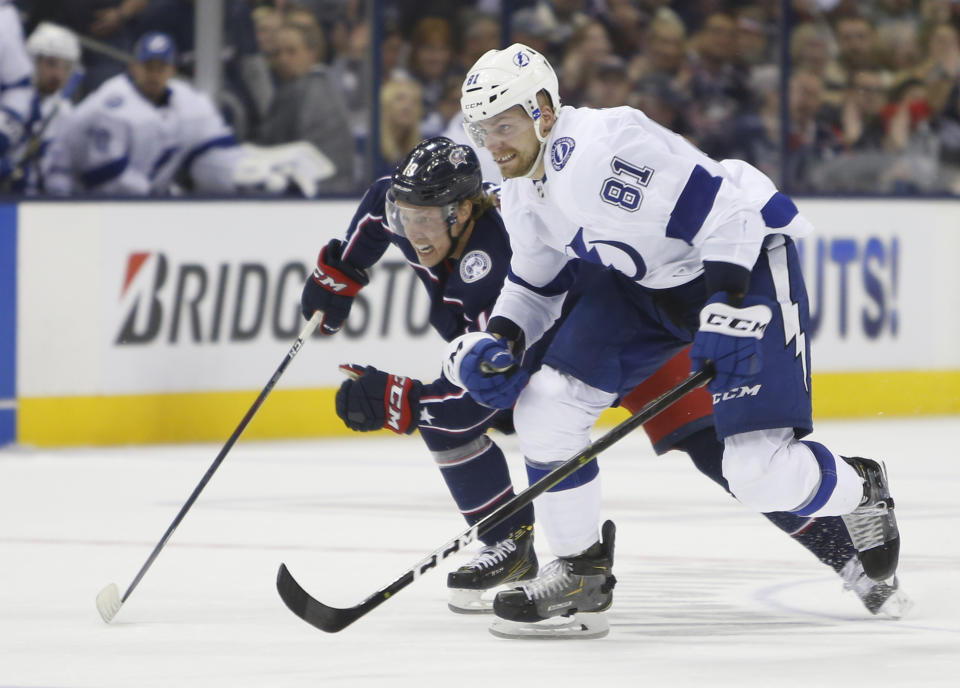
[723, 318]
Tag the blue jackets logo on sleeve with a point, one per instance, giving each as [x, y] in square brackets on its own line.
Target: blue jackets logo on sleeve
[561, 151]
[474, 266]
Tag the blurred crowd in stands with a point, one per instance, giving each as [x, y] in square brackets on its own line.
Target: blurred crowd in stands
[872, 89]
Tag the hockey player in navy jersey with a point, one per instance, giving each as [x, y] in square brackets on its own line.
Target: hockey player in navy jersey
[701, 251]
[435, 211]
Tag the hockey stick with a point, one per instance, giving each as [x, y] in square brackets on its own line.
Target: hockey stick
[333, 619]
[108, 599]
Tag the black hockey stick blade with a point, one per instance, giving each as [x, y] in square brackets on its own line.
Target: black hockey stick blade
[315, 612]
[334, 619]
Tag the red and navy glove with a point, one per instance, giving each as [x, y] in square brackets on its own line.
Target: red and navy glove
[372, 399]
[730, 337]
[331, 288]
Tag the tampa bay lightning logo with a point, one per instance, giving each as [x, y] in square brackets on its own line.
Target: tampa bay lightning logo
[474, 266]
[521, 59]
[561, 151]
[615, 254]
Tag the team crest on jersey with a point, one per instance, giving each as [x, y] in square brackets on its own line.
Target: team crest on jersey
[561, 152]
[521, 59]
[474, 265]
[458, 156]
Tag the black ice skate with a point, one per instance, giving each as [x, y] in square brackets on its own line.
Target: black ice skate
[564, 600]
[508, 561]
[880, 598]
[872, 525]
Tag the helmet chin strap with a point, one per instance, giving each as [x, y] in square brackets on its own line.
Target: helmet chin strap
[543, 147]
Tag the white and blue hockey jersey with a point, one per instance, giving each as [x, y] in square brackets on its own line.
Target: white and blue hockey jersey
[16, 89]
[622, 191]
[117, 141]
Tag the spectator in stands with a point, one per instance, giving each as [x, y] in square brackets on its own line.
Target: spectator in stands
[861, 117]
[589, 45]
[431, 62]
[481, 32]
[940, 70]
[267, 22]
[856, 49]
[915, 167]
[394, 53]
[719, 87]
[309, 104]
[608, 84]
[811, 46]
[527, 26]
[814, 137]
[627, 23]
[401, 111]
[666, 55]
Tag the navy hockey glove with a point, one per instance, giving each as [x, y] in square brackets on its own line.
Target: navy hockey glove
[730, 337]
[372, 399]
[485, 367]
[331, 288]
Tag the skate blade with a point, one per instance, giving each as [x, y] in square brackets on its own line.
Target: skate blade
[578, 626]
[464, 601]
[896, 606]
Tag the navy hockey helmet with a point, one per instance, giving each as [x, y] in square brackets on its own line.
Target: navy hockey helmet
[437, 172]
[427, 188]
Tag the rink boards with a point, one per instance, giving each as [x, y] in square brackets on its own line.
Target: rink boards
[131, 322]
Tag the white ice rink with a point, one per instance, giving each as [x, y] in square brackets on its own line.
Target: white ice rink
[708, 595]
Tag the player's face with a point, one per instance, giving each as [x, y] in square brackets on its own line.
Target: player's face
[510, 138]
[51, 73]
[151, 77]
[425, 227]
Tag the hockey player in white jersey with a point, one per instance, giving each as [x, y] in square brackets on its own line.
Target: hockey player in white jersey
[702, 252]
[142, 131]
[16, 91]
[55, 51]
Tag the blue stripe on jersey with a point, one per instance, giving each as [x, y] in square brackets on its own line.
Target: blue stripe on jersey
[778, 211]
[220, 142]
[828, 478]
[13, 113]
[581, 477]
[693, 205]
[104, 173]
[558, 285]
[162, 160]
[21, 83]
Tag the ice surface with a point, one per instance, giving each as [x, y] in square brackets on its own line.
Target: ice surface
[709, 594]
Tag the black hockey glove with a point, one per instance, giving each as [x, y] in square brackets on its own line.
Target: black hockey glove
[331, 288]
[372, 399]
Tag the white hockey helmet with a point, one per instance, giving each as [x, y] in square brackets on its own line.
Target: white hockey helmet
[501, 79]
[53, 40]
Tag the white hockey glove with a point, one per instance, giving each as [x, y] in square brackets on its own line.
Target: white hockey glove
[275, 168]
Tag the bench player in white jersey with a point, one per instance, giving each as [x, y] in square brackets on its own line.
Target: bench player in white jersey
[702, 251]
[16, 91]
[141, 132]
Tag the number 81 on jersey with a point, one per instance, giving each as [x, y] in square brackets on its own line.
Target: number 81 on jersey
[625, 194]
